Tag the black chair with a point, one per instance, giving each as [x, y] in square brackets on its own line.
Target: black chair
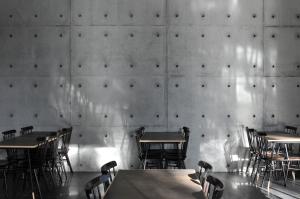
[53, 163]
[270, 160]
[38, 162]
[63, 151]
[252, 151]
[4, 165]
[10, 160]
[26, 130]
[290, 130]
[12, 154]
[204, 168]
[149, 158]
[213, 188]
[106, 169]
[92, 187]
[176, 157]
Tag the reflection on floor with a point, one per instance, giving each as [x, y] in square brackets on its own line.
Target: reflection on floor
[236, 186]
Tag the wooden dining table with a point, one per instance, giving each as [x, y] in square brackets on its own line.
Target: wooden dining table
[155, 184]
[28, 142]
[162, 137]
[280, 137]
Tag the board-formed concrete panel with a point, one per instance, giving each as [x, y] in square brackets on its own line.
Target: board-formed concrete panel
[282, 51]
[34, 12]
[215, 12]
[215, 51]
[105, 51]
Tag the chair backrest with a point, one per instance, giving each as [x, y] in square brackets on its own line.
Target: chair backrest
[52, 151]
[251, 138]
[39, 154]
[7, 135]
[92, 187]
[186, 132]
[204, 168]
[290, 129]
[26, 130]
[106, 169]
[11, 153]
[213, 188]
[66, 138]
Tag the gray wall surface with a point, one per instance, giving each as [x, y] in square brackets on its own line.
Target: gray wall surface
[107, 67]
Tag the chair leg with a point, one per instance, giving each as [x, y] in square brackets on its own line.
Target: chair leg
[69, 163]
[5, 184]
[249, 162]
[253, 167]
[37, 183]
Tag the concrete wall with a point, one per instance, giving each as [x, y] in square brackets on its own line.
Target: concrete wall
[107, 67]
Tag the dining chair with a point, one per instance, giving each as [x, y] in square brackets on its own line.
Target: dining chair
[290, 129]
[4, 165]
[292, 163]
[38, 162]
[64, 149]
[11, 153]
[53, 163]
[204, 169]
[252, 151]
[106, 169]
[26, 130]
[270, 161]
[92, 187]
[176, 157]
[213, 188]
[149, 158]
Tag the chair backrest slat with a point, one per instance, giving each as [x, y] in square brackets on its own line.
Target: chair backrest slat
[94, 184]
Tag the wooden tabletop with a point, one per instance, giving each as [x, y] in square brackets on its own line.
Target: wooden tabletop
[162, 137]
[280, 137]
[28, 141]
[155, 184]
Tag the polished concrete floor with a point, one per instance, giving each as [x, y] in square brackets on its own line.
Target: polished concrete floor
[236, 186]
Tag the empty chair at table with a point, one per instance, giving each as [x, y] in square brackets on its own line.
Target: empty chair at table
[213, 188]
[176, 157]
[109, 169]
[53, 163]
[204, 169]
[252, 151]
[64, 149]
[149, 158]
[92, 188]
[290, 130]
[26, 130]
[270, 160]
[10, 161]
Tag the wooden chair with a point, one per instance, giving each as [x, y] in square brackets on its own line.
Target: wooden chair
[213, 188]
[26, 130]
[92, 187]
[63, 151]
[204, 168]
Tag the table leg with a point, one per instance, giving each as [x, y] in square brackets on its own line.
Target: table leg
[145, 161]
[30, 172]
